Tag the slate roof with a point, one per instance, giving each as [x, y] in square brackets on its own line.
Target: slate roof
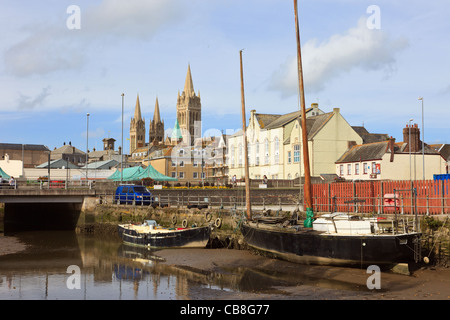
[376, 150]
[18, 146]
[67, 149]
[365, 152]
[368, 137]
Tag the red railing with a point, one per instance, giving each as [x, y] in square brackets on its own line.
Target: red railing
[425, 197]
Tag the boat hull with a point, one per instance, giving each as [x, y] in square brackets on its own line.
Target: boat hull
[312, 247]
[185, 238]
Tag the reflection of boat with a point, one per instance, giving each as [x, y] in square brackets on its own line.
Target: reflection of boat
[151, 235]
[336, 239]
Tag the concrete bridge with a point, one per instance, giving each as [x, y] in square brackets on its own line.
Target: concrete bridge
[44, 209]
[37, 195]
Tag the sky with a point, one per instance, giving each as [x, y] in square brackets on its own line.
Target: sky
[60, 60]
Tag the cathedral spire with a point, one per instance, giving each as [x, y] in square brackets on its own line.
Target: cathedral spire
[156, 115]
[188, 85]
[137, 110]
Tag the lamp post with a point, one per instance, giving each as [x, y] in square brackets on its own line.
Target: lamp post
[423, 142]
[121, 156]
[409, 146]
[87, 145]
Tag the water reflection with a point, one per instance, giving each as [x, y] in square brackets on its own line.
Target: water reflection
[113, 270]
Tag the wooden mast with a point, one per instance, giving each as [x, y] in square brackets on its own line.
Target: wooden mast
[307, 186]
[244, 129]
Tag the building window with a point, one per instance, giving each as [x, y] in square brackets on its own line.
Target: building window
[181, 175]
[365, 168]
[240, 149]
[277, 150]
[195, 164]
[349, 169]
[232, 156]
[181, 163]
[341, 170]
[296, 153]
[357, 168]
[374, 167]
[174, 163]
[174, 174]
[203, 175]
[289, 157]
[195, 175]
[266, 151]
[257, 153]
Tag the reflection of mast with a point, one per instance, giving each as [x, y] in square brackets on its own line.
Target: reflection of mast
[307, 186]
[244, 128]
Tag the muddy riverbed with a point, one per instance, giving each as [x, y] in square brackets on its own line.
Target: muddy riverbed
[272, 279]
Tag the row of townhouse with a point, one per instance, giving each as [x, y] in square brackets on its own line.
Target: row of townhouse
[275, 144]
[335, 147]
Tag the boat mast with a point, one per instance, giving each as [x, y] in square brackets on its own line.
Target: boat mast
[307, 186]
[244, 129]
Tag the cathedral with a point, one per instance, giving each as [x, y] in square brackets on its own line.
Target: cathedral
[188, 122]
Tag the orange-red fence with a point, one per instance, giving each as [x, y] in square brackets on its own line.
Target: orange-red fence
[421, 196]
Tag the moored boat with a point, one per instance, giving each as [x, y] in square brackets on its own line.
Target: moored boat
[337, 239]
[149, 234]
[332, 239]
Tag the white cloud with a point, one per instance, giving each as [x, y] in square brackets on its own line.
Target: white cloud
[132, 18]
[27, 102]
[360, 47]
[44, 51]
[54, 47]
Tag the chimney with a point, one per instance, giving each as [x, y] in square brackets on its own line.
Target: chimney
[392, 148]
[415, 138]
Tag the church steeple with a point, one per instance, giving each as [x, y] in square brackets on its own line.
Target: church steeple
[137, 109]
[188, 84]
[137, 128]
[156, 115]
[156, 131]
[189, 111]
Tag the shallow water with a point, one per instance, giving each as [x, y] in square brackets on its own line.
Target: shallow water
[66, 265]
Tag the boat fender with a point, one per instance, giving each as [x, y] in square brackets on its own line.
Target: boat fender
[174, 220]
[218, 222]
[208, 216]
[184, 223]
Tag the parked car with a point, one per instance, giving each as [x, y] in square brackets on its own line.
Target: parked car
[131, 193]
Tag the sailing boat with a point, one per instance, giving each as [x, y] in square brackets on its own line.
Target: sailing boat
[332, 239]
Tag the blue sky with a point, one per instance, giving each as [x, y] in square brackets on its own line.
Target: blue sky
[372, 66]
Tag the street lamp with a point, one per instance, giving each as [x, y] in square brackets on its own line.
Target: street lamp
[121, 155]
[409, 146]
[87, 145]
[423, 142]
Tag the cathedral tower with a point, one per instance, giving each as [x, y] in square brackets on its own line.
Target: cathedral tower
[156, 131]
[137, 128]
[189, 111]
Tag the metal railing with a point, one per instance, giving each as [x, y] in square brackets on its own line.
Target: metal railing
[275, 203]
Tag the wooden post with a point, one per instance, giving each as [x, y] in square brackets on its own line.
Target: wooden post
[244, 128]
[307, 185]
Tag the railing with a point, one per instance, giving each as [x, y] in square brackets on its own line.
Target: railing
[53, 184]
[421, 197]
[275, 203]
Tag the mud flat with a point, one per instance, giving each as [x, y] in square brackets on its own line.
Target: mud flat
[282, 280]
[10, 245]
